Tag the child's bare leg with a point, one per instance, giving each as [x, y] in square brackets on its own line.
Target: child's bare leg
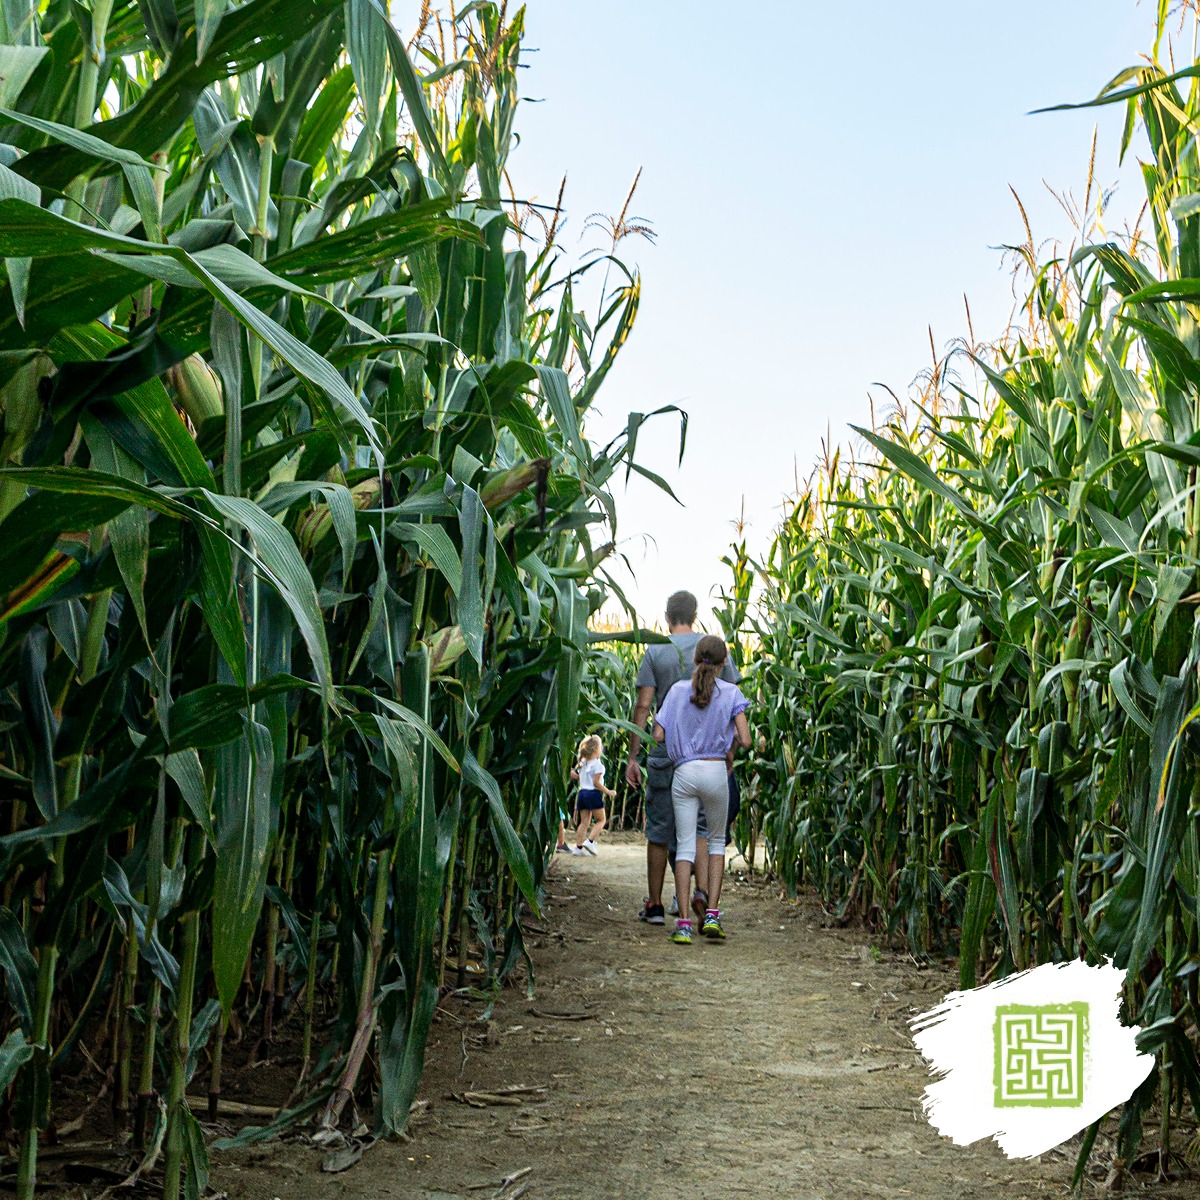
[716, 876]
[581, 833]
[683, 885]
[701, 870]
[599, 825]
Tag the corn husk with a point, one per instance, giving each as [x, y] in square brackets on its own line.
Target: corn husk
[197, 390]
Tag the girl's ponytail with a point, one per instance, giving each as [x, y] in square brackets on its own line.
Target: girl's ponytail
[710, 658]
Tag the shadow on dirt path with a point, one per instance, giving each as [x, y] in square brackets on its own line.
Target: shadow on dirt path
[774, 1064]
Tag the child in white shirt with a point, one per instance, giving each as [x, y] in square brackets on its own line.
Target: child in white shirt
[589, 770]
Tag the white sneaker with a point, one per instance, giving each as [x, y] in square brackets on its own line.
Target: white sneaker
[576, 850]
[590, 847]
[673, 911]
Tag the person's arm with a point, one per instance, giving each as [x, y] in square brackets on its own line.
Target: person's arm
[666, 715]
[741, 731]
[641, 714]
[598, 784]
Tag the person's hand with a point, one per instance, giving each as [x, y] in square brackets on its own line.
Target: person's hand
[633, 774]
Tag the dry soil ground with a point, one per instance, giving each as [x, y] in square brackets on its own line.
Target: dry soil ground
[775, 1064]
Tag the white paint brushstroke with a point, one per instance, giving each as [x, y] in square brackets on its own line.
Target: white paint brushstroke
[958, 1039]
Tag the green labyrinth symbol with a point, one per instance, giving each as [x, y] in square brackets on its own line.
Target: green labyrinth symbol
[1039, 1055]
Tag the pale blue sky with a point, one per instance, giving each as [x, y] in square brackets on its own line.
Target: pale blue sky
[826, 181]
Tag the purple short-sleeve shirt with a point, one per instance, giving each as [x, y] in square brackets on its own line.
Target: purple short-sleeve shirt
[694, 732]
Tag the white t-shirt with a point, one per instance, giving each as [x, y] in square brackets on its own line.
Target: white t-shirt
[591, 775]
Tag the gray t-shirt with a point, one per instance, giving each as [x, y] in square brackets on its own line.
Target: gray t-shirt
[664, 665]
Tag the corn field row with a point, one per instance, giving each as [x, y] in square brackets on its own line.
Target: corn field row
[977, 648]
[301, 536]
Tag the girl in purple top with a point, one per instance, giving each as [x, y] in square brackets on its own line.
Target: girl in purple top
[700, 720]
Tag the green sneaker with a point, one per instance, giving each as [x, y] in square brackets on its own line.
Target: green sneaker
[683, 933]
[712, 926]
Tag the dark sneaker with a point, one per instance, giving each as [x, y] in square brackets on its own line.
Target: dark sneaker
[712, 926]
[652, 914]
[699, 903]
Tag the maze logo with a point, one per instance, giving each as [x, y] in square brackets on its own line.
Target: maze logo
[1039, 1052]
[1032, 1059]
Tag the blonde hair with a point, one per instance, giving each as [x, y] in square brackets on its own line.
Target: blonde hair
[591, 747]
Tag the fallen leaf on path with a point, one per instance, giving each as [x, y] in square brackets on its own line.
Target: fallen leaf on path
[506, 1182]
[485, 1099]
[536, 1125]
[509, 1095]
[71, 1127]
[563, 1016]
[344, 1159]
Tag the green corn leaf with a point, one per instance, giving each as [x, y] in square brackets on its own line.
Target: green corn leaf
[1173, 584]
[20, 976]
[507, 841]
[409, 717]
[324, 117]
[184, 768]
[248, 35]
[414, 96]
[277, 556]
[472, 596]
[78, 139]
[136, 169]
[981, 896]
[1118, 679]
[242, 800]
[367, 45]
[554, 390]
[195, 1155]
[435, 542]
[129, 532]
[17, 65]
[15, 1052]
[208, 17]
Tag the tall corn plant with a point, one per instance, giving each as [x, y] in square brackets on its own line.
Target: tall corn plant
[297, 506]
[978, 648]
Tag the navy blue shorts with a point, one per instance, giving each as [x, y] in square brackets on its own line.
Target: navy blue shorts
[589, 798]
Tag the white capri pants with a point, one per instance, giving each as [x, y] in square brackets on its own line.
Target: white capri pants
[700, 783]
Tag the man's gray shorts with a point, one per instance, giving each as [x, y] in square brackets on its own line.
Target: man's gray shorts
[660, 808]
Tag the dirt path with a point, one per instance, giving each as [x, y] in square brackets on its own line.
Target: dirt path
[775, 1064]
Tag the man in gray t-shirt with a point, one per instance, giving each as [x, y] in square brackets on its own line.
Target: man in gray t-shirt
[663, 665]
